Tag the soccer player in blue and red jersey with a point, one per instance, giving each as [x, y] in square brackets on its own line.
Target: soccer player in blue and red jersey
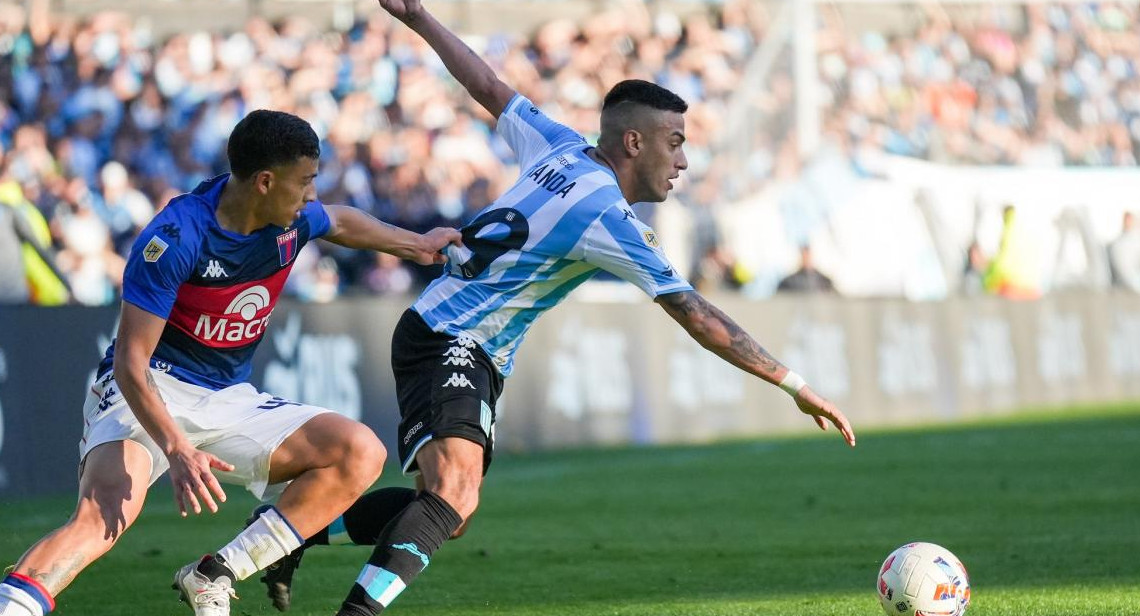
[172, 395]
[566, 218]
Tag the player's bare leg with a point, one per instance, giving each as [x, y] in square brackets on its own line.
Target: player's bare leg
[112, 489]
[452, 470]
[330, 461]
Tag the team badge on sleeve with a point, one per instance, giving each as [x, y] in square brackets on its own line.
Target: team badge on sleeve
[154, 249]
[650, 237]
[287, 246]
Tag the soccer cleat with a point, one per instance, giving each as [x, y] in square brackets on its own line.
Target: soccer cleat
[278, 578]
[205, 597]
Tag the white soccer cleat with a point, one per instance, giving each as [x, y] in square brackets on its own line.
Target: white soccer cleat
[205, 597]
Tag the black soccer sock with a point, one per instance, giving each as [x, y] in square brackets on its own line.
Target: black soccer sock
[214, 566]
[364, 520]
[403, 550]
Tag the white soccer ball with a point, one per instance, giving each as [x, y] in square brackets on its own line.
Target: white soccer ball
[923, 579]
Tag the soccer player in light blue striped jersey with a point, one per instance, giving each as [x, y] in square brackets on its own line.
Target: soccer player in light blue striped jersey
[566, 218]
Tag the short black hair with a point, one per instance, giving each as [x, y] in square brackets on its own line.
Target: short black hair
[644, 93]
[265, 139]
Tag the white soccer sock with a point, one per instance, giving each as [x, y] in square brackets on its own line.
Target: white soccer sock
[21, 596]
[269, 539]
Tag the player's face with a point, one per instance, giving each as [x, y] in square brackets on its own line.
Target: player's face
[291, 189]
[663, 157]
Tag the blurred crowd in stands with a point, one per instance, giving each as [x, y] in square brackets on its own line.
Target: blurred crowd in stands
[1043, 85]
[100, 124]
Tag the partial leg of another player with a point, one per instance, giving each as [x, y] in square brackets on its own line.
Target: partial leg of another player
[112, 488]
[329, 462]
[452, 472]
[359, 525]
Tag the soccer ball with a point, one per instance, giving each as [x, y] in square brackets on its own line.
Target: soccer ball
[923, 579]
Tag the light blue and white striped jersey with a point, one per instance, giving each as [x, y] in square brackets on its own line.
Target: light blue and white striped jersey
[562, 221]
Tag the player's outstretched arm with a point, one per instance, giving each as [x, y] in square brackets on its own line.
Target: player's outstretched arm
[465, 65]
[138, 336]
[356, 229]
[715, 331]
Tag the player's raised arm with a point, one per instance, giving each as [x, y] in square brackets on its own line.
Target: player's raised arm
[353, 228]
[464, 64]
[139, 332]
[715, 331]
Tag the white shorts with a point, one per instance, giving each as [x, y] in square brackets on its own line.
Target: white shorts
[238, 424]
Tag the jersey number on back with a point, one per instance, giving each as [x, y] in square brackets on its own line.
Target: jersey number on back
[511, 236]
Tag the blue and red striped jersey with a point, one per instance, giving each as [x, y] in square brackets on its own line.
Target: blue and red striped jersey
[215, 288]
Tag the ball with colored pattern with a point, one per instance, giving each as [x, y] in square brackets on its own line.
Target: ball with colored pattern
[923, 579]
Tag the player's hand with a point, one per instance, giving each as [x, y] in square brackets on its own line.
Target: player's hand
[432, 243]
[824, 412]
[191, 476]
[402, 9]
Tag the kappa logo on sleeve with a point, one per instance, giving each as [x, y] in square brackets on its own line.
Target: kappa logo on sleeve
[154, 249]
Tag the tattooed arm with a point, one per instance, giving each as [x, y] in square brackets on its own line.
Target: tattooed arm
[715, 331]
[139, 332]
[721, 335]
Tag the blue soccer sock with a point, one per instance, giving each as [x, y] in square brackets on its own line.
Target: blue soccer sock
[403, 550]
[20, 595]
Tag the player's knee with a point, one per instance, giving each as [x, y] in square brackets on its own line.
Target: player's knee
[460, 489]
[364, 454]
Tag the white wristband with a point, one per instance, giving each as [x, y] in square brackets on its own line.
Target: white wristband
[792, 383]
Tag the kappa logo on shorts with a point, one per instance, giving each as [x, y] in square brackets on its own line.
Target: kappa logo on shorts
[457, 352]
[465, 341]
[459, 380]
[412, 432]
[460, 354]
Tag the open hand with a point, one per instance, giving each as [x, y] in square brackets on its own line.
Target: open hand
[823, 412]
[190, 473]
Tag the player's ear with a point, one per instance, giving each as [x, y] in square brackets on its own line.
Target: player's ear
[633, 142]
[263, 181]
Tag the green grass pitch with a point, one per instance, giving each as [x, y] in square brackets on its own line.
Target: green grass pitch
[1043, 509]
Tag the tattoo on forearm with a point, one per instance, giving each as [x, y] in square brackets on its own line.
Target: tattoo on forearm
[59, 575]
[151, 385]
[741, 349]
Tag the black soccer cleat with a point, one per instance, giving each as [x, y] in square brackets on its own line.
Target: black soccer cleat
[278, 578]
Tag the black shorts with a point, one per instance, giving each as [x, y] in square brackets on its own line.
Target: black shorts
[445, 386]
